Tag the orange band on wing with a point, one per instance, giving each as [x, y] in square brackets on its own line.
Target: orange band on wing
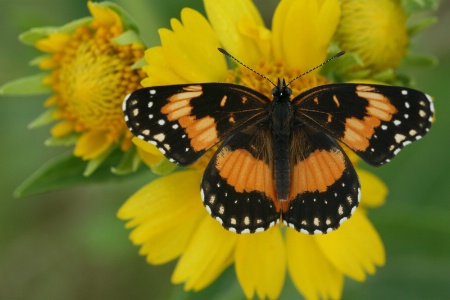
[245, 173]
[358, 132]
[201, 132]
[317, 172]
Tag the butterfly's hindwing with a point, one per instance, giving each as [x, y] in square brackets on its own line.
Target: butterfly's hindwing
[184, 121]
[376, 121]
[238, 188]
[325, 189]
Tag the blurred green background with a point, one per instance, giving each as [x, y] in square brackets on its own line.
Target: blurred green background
[70, 245]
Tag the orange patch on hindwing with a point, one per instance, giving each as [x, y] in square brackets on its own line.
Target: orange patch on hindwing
[317, 172]
[244, 172]
[358, 132]
[201, 132]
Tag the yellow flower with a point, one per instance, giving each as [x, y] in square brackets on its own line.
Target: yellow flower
[92, 70]
[172, 222]
[375, 30]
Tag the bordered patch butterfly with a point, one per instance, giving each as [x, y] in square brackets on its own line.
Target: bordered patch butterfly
[279, 158]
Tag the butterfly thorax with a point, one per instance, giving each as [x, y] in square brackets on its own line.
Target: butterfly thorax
[281, 114]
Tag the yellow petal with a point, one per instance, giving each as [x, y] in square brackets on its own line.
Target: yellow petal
[165, 218]
[104, 15]
[62, 129]
[373, 190]
[147, 147]
[240, 28]
[92, 144]
[191, 48]
[312, 274]
[260, 261]
[355, 248]
[159, 70]
[206, 256]
[302, 31]
[55, 42]
[49, 63]
[148, 158]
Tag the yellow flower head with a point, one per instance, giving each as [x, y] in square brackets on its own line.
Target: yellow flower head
[172, 223]
[91, 72]
[375, 30]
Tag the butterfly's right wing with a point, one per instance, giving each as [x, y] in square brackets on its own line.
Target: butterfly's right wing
[375, 121]
[184, 121]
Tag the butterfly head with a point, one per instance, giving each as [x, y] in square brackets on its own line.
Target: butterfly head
[281, 91]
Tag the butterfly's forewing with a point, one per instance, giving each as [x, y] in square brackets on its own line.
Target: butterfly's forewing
[238, 187]
[376, 121]
[184, 121]
[325, 189]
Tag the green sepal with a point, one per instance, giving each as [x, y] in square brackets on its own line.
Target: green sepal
[164, 167]
[37, 60]
[67, 171]
[346, 67]
[127, 20]
[67, 140]
[33, 35]
[126, 38]
[44, 119]
[30, 85]
[415, 6]
[421, 25]
[129, 163]
[384, 76]
[139, 64]
[418, 61]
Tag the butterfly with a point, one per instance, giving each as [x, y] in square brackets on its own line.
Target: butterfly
[279, 158]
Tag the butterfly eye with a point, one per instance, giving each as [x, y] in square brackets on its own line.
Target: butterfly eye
[275, 91]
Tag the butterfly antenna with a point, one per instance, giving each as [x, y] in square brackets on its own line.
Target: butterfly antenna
[242, 64]
[325, 62]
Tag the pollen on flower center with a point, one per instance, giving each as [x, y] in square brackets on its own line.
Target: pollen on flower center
[274, 71]
[93, 78]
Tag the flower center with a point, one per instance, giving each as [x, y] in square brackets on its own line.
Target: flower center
[274, 71]
[93, 79]
[375, 30]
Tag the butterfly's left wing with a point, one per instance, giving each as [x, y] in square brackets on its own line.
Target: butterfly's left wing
[375, 121]
[184, 121]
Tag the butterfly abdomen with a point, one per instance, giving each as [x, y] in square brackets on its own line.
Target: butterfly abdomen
[281, 133]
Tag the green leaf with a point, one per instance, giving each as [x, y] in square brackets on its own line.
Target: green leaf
[67, 171]
[96, 163]
[45, 118]
[130, 163]
[31, 85]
